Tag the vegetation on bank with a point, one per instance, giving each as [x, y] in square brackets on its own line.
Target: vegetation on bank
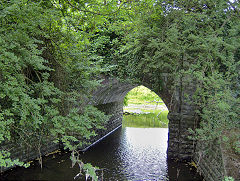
[52, 53]
[142, 95]
[45, 77]
[147, 120]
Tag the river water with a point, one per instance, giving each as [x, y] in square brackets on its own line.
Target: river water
[132, 152]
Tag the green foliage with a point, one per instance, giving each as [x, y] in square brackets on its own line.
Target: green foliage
[142, 95]
[155, 119]
[193, 41]
[228, 179]
[125, 101]
[87, 168]
[45, 77]
[52, 53]
[22, 95]
[231, 138]
[236, 146]
[6, 161]
[78, 128]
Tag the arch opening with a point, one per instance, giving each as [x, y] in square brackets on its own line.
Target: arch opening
[143, 108]
[139, 149]
[110, 98]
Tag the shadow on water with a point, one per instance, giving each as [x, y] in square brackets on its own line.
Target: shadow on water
[137, 152]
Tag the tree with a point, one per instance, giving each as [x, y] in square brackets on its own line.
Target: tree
[45, 77]
[199, 40]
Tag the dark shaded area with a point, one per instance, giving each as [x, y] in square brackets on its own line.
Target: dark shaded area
[124, 155]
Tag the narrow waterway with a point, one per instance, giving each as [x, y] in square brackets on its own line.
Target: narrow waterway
[130, 153]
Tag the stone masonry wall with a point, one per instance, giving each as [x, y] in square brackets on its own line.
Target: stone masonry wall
[179, 145]
[115, 109]
[209, 161]
[24, 153]
[181, 117]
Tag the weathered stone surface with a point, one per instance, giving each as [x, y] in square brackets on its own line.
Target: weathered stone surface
[24, 153]
[209, 161]
[111, 91]
[181, 117]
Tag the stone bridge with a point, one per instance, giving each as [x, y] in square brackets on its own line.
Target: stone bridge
[109, 98]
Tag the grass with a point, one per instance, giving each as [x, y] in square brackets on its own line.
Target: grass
[151, 120]
[145, 101]
[141, 95]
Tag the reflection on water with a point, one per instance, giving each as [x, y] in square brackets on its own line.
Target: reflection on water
[129, 153]
[152, 119]
[142, 157]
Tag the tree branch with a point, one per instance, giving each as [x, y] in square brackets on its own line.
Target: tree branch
[96, 13]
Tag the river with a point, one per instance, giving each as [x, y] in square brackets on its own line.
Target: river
[133, 152]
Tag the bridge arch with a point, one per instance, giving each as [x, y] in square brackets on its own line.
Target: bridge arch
[109, 98]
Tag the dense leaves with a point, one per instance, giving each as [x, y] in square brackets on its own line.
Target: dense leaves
[193, 41]
[52, 53]
[45, 79]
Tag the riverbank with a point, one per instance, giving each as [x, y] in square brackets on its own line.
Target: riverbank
[141, 108]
